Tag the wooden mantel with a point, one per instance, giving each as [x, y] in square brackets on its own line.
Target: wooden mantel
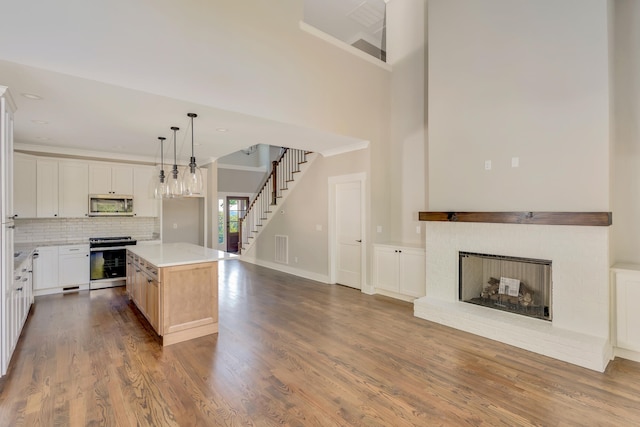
[598, 219]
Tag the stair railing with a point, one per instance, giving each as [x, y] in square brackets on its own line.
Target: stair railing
[282, 172]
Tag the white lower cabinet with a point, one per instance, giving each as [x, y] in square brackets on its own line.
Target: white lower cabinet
[626, 316]
[73, 266]
[17, 304]
[399, 270]
[45, 268]
[61, 269]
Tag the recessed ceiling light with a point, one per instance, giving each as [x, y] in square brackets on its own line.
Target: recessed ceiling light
[222, 130]
[40, 122]
[32, 96]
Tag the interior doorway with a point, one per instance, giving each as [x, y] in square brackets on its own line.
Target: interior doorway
[347, 230]
[236, 208]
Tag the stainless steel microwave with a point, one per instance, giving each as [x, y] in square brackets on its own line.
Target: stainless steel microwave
[110, 205]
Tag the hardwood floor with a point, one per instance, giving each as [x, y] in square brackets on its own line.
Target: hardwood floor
[292, 352]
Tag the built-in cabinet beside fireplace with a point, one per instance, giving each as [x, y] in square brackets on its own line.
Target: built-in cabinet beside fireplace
[399, 271]
[625, 280]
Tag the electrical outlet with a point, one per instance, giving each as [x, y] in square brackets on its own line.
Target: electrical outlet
[379, 229]
[418, 229]
[175, 226]
[515, 162]
[487, 165]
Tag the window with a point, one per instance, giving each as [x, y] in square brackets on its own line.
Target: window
[220, 221]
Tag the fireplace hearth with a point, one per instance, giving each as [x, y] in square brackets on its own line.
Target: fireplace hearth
[512, 284]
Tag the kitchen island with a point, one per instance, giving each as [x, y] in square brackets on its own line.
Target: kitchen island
[175, 286]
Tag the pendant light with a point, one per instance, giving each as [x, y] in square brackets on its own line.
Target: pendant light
[192, 177]
[175, 186]
[161, 189]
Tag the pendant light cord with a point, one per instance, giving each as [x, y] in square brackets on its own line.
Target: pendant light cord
[174, 171]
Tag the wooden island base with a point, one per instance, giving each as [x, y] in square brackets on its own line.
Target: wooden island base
[189, 302]
[179, 301]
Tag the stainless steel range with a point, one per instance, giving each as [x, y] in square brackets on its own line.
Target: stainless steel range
[108, 261]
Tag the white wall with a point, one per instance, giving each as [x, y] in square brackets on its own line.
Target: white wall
[183, 220]
[304, 209]
[240, 181]
[526, 79]
[626, 147]
[407, 164]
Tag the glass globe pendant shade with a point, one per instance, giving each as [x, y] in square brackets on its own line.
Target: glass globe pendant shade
[192, 183]
[192, 180]
[174, 183]
[161, 189]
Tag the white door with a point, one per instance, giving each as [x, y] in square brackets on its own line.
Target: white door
[348, 215]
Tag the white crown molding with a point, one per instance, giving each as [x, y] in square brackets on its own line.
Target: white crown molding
[343, 45]
[261, 169]
[74, 153]
[361, 145]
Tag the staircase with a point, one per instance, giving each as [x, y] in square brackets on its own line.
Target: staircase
[290, 165]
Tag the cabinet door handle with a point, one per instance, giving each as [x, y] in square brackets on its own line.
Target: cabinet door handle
[359, 241]
[19, 289]
[149, 280]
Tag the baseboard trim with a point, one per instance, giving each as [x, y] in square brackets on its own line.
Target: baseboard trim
[322, 278]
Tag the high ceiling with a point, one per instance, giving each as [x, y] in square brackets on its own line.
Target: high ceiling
[89, 104]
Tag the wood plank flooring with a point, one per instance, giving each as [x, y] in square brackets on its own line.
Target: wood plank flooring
[292, 352]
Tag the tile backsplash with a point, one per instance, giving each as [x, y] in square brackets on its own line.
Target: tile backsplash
[78, 229]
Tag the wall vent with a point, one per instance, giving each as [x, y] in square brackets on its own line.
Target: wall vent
[282, 249]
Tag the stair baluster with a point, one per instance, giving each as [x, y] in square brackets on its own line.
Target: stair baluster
[281, 174]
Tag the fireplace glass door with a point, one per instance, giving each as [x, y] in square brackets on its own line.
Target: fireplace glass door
[517, 285]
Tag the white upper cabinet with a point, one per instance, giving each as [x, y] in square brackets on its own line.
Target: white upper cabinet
[144, 203]
[46, 188]
[24, 186]
[73, 198]
[110, 179]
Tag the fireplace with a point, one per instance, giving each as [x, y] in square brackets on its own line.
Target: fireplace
[513, 284]
[578, 301]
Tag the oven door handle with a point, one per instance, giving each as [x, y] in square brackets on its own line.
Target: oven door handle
[107, 248]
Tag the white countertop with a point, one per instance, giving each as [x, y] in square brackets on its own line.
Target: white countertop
[172, 254]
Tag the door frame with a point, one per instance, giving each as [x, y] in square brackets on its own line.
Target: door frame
[226, 215]
[223, 195]
[333, 262]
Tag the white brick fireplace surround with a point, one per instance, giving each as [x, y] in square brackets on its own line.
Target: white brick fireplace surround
[579, 331]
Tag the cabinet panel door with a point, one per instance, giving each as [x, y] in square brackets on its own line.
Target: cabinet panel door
[47, 188]
[99, 179]
[24, 186]
[122, 180]
[412, 273]
[45, 268]
[385, 267]
[74, 190]
[73, 269]
[144, 203]
[627, 314]
[153, 303]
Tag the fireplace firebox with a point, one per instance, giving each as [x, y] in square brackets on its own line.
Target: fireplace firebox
[517, 285]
